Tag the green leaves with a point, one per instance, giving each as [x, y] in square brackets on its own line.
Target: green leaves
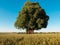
[39, 22]
[32, 16]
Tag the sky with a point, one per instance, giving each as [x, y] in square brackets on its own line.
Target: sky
[9, 11]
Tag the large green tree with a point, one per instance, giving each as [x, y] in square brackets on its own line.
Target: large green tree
[31, 17]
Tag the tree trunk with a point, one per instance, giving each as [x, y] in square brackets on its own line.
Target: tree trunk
[29, 31]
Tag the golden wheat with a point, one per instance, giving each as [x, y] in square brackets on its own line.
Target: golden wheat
[30, 39]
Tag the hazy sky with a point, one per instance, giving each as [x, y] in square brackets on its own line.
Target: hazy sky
[9, 11]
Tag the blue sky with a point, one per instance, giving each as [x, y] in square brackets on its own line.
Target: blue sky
[9, 11]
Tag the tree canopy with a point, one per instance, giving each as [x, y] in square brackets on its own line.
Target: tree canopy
[32, 16]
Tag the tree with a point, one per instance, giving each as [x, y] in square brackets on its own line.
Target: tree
[31, 17]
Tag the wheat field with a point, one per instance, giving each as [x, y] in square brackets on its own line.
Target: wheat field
[30, 39]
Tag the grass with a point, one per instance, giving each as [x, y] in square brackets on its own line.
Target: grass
[30, 39]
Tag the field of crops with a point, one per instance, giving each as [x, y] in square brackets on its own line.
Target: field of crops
[30, 39]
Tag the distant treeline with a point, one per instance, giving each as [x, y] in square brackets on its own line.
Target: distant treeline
[33, 33]
[40, 33]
